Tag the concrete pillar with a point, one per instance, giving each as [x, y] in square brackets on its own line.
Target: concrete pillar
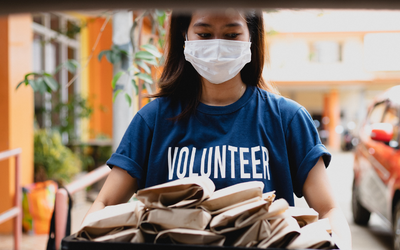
[122, 112]
[16, 106]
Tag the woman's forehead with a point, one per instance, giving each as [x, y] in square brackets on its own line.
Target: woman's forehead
[210, 17]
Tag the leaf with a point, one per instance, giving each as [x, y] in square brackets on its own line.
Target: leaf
[144, 55]
[116, 78]
[40, 84]
[33, 84]
[135, 86]
[31, 74]
[151, 61]
[115, 57]
[72, 65]
[143, 65]
[59, 67]
[151, 49]
[102, 53]
[19, 84]
[159, 12]
[128, 99]
[145, 77]
[161, 16]
[51, 82]
[115, 94]
[133, 68]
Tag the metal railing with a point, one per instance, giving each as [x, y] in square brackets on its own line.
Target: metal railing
[61, 205]
[16, 211]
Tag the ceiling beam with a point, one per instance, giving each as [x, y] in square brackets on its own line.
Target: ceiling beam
[23, 6]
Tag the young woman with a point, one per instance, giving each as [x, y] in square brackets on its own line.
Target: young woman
[216, 116]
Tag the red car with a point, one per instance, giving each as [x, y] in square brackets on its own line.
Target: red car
[376, 186]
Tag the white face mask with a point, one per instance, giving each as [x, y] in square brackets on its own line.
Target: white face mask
[217, 60]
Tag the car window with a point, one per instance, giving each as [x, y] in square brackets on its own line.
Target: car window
[392, 116]
[376, 114]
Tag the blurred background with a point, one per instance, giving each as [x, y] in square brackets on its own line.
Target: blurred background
[69, 79]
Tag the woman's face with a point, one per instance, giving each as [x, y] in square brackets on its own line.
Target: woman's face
[218, 25]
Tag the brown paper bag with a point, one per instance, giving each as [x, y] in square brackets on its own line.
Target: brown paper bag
[233, 195]
[182, 193]
[253, 234]
[284, 231]
[324, 223]
[161, 219]
[220, 211]
[189, 236]
[84, 235]
[246, 215]
[128, 235]
[313, 236]
[304, 216]
[103, 221]
[270, 196]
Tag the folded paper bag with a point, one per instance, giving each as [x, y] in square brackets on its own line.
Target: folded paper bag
[157, 220]
[253, 234]
[84, 235]
[284, 230]
[246, 215]
[182, 193]
[313, 236]
[103, 221]
[133, 235]
[189, 236]
[303, 215]
[268, 197]
[234, 194]
[226, 222]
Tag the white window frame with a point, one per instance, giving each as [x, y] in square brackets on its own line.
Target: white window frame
[64, 42]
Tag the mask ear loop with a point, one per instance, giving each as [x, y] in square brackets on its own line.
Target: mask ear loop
[186, 39]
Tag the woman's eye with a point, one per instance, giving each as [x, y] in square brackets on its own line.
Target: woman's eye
[232, 35]
[204, 35]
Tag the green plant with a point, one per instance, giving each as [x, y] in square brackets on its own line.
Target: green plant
[144, 56]
[44, 81]
[77, 108]
[53, 160]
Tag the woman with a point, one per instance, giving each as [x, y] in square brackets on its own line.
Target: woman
[215, 116]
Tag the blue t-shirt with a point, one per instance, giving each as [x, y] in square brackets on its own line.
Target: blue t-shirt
[262, 137]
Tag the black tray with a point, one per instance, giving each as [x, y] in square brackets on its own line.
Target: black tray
[70, 243]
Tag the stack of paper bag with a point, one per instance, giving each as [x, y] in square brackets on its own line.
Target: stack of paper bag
[188, 211]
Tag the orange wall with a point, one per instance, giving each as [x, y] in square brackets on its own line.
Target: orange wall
[17, 107]
[100, 76]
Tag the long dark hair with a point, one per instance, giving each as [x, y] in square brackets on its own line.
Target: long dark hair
[180, 81]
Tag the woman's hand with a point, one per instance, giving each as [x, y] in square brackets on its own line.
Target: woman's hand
[118, 188]
[318, 194]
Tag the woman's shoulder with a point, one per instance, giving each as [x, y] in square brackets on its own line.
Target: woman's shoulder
[279, 102]
[159, 108]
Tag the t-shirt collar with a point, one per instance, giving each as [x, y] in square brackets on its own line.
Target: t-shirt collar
[220, 110]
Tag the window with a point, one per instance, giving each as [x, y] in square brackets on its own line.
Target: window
[55, 41]
[392, 116]
[326, 52]
[376, 113]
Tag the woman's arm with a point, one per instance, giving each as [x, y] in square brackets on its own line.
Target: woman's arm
[118, 188]
[318, 194]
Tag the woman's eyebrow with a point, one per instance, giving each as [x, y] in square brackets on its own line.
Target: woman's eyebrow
[233, 25]
[201, 24]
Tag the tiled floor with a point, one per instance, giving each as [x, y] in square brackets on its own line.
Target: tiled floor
[39, 242]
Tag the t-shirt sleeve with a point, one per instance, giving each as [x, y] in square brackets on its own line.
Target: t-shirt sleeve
[132, 153]
[304, 148]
